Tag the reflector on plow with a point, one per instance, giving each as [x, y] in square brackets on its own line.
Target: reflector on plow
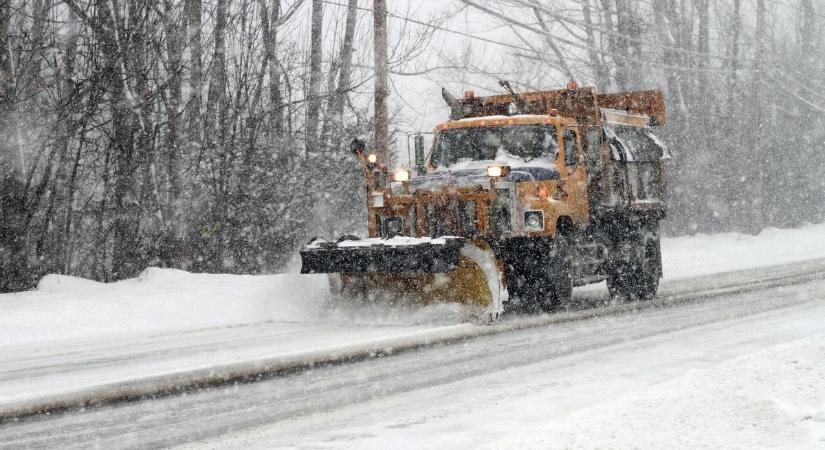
[422, 270]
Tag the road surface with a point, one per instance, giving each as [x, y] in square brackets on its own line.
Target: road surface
[469, 392]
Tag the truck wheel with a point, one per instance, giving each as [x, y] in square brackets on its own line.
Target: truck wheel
[558, 280]
[531, 297]
[637, 279]
[615, 286]
[521, 290]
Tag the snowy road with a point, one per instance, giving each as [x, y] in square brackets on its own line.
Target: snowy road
[471, 392]
[35, 377]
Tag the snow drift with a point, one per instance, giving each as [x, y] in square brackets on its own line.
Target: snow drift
[168, 300]
[771, 399]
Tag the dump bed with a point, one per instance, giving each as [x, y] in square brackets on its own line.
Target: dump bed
[582, 104]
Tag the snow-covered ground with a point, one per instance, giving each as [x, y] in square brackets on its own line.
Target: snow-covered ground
[770, 399]
[702, 254]
[72, 334]
[166, 300]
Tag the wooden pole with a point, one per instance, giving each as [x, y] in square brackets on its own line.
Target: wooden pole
[313, 97]
[380, 51]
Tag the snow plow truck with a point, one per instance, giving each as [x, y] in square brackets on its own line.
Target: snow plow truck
[521, 197]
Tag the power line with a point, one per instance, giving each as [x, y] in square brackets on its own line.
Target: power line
[540, 54]
[583, 47]
[561, 17]
[435, 27]
[538, 31]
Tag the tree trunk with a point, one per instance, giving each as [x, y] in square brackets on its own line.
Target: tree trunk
[335, 109]
[270, 40]
[757, 181]
[124, 252]
[600, 72]
[703, 47]
[733, 82]
[7, 97]
[195, 103]
[174, 62]
[624, 74]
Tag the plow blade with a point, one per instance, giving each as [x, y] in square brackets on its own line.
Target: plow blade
[372, 256]
[421, 270]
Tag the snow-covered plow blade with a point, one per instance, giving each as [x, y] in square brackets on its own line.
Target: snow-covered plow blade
[423, 270]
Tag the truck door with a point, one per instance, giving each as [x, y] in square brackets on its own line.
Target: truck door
[576, 175]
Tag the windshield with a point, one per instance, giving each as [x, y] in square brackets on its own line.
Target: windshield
[524, 142]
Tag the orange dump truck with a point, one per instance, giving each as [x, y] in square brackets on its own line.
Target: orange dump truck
[520, 198]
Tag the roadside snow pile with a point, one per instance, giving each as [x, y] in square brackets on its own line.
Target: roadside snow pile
[702, 254]
[163, 301]
[159, 300]
[54, 283]
[167, 300]
[771, 399]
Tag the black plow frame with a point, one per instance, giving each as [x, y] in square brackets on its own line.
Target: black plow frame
[425, 257]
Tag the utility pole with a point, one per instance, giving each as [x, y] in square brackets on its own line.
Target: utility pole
[314, 94]
[380, 51]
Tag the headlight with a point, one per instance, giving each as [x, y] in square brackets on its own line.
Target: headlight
[372, 158]
[534, 220]
[512, 109]
[498, 171]
[401, 175]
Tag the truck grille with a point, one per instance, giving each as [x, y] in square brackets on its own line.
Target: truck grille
[467, 219]
[454, 218]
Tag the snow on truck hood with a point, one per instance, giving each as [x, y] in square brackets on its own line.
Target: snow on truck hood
[478, 176]
[474, 172]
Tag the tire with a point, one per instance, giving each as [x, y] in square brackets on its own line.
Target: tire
[542, 279]
[557, 286]
[522, 289]
[637, 278]
[615, 285]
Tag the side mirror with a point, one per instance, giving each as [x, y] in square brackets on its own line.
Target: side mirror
[357, 146]
[419, 154]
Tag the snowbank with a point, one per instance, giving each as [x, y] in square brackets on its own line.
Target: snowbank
[771, 399]
[162, 301]
[167, 300]
[702, 254]
[159, 300]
